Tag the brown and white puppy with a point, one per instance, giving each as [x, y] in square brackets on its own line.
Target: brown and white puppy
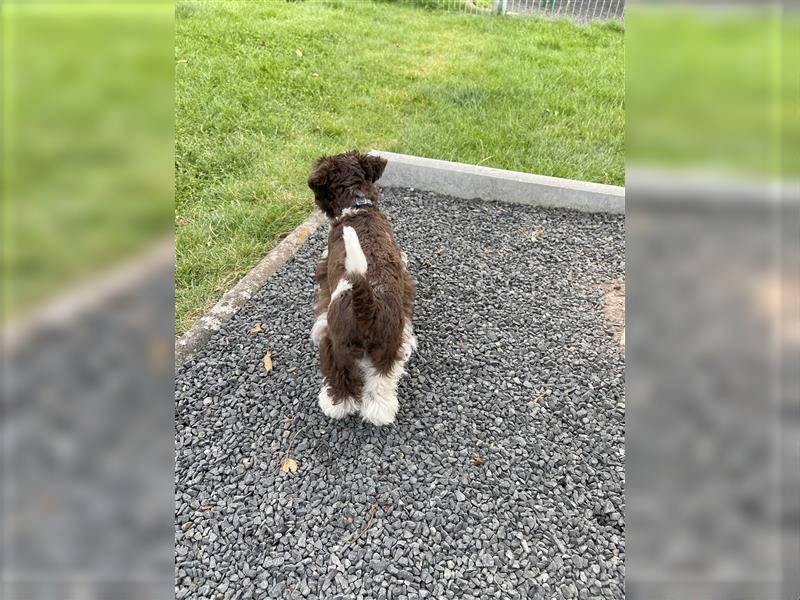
[365, 297]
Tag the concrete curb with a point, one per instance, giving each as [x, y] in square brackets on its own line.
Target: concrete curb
[485, 183]
[237, 296]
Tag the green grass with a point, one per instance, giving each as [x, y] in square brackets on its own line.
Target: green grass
[262, 89]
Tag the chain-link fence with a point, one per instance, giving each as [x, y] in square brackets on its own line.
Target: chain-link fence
[580, 11]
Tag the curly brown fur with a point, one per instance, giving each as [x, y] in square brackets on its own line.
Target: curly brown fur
[363, 325]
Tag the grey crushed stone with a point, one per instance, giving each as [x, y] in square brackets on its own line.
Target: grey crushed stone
[515, 365]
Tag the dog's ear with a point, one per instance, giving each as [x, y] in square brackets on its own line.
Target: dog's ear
[318, 179]
[319, 182]
[373, 166]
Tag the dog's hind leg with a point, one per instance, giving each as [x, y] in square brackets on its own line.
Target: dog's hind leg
[379, 403]
[332, 409]
[341, 387]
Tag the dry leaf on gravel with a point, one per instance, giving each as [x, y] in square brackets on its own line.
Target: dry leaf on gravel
[288, 464]
[256, 329]
[540, 395]
[268, 362]
[477, 461]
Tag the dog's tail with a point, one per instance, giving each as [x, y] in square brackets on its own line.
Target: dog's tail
[355, 264]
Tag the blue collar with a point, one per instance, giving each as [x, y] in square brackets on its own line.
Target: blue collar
[363, 202]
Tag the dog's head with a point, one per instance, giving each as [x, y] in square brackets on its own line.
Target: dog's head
[337, 180]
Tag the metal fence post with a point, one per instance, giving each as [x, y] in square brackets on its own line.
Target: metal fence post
[500, 6]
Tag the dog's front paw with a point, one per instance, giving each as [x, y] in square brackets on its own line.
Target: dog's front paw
[335, 411]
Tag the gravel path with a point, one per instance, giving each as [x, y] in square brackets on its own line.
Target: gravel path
[503, 476]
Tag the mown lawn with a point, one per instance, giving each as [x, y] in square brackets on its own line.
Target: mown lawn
[262, 89]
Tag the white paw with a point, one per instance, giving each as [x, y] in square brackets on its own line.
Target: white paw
[335, 411]
[320, 328]
[379, 409]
